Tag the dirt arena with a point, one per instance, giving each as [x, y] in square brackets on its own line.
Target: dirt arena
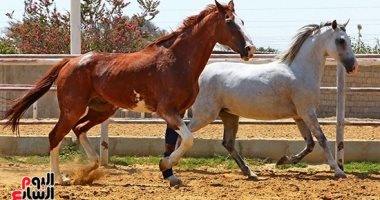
[145, 182]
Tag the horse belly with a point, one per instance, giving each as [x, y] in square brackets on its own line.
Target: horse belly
[131, 101]
[263, 110]
[140, 107]
[139, 104]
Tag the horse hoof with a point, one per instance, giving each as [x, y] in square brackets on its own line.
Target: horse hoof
[65, 181]
[283, 160]
[340, 175]
[253, 177]
[175, 182]
[164, 164]
[95, 165]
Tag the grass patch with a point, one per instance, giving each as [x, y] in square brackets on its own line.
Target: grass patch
[68, 153]
[287, 166]
[362, 167]
[32, 160]
[134, 160]
[188, 163]
[71, 152]
[212, 162]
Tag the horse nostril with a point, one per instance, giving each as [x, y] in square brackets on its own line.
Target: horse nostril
[251, 49]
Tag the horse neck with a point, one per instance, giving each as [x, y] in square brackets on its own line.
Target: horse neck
[196, 45]
[310, 60]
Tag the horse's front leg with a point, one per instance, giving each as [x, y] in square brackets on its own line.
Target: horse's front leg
[306, 134]
[186, 142]
[231, 124]
[310, 119]
[171, 140]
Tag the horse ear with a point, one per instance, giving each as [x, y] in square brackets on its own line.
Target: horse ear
[220, 7]
[231, 5]
[345, 24]
[334, 24]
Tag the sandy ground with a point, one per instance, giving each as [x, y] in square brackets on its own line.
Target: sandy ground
[213, 131]
[145, 182]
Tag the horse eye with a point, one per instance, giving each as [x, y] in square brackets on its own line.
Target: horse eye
[341, 41]
[242, 22]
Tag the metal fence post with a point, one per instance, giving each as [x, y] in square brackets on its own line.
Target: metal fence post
[75, 32]
[340, 112]
[75, 36]
[35, 110]
[104, 141]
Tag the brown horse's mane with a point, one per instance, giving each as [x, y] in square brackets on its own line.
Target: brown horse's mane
[187, 24]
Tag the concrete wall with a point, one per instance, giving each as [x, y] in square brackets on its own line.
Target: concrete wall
[358, 104]
[251, 148]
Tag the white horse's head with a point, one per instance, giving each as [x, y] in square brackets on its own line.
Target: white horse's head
[339, 47]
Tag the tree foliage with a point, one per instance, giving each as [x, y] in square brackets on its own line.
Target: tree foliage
[6, 47]
[267, 50]
[104, 27]
[360, 47]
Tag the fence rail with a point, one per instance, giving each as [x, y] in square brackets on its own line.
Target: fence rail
[25, 87]
[214, 55]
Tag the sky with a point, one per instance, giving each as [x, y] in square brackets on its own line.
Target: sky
[271, 23]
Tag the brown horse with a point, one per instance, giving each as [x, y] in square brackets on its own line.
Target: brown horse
[161, 78]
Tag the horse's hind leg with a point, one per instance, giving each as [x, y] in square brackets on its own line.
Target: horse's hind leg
[92, 118]
[311, 121]
[63, 126]
[306, 134]
[202, 114]
[231, 123]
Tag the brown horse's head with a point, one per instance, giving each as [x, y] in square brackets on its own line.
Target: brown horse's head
[230, 31]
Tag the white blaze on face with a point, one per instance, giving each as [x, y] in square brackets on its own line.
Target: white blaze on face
[140, 106]
[247, 38]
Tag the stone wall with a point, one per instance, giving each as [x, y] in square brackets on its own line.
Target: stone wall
[358, 104]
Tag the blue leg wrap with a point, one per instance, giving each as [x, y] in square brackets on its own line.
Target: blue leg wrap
[170, 139]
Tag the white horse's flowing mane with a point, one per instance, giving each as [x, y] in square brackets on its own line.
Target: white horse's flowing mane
[302, 34]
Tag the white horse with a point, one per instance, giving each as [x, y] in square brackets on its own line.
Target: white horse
[287, 88]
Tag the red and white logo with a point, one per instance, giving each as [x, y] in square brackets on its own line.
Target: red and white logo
[35, 188]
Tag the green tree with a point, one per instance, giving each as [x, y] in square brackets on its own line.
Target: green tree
[268, 50]
[360, 47]
[6, 47]
[104, 27]
[260, 50]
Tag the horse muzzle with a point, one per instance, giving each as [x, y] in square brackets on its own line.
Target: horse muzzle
[249, 51]
[353, 68]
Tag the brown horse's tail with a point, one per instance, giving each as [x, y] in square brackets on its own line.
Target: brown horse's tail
[19, 106]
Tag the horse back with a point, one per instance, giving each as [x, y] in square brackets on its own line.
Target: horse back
[146, 78]
[252, 91]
